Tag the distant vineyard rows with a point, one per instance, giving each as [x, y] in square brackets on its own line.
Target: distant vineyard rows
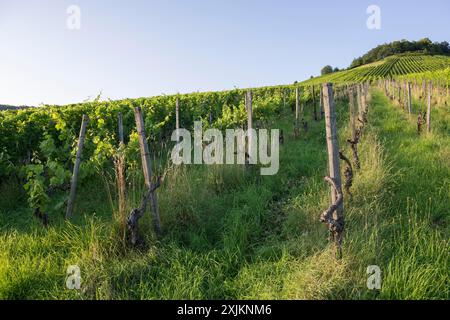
[391, 67]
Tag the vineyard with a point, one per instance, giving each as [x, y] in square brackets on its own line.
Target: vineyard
[379, 134]
[39, 144]
[391, 67]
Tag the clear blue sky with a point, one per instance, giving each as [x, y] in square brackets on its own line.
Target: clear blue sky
[143, 48]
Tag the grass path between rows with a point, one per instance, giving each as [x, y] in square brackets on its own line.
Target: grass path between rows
[415, 239]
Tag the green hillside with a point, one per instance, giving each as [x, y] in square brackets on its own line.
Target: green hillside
[390, 67]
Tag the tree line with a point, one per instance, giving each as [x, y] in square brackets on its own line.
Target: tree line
[423, 46]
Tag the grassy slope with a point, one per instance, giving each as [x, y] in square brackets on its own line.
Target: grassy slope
[390, 67]
[231, 236]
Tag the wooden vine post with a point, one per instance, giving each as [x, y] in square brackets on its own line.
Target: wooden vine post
[334, 216]
[424, 88]
[314, 103]
[355, 134]
[394, 86]
[351, 105]
[363, 98]
[409, 98]
[430, 87]
[120, 125]
[249, 108]
[210, 115]
[359, 99]
[177, 118]
[321, 103]
[76, 168]
[297, 112]
[121, 183]
[177, 114]
[146, 166]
